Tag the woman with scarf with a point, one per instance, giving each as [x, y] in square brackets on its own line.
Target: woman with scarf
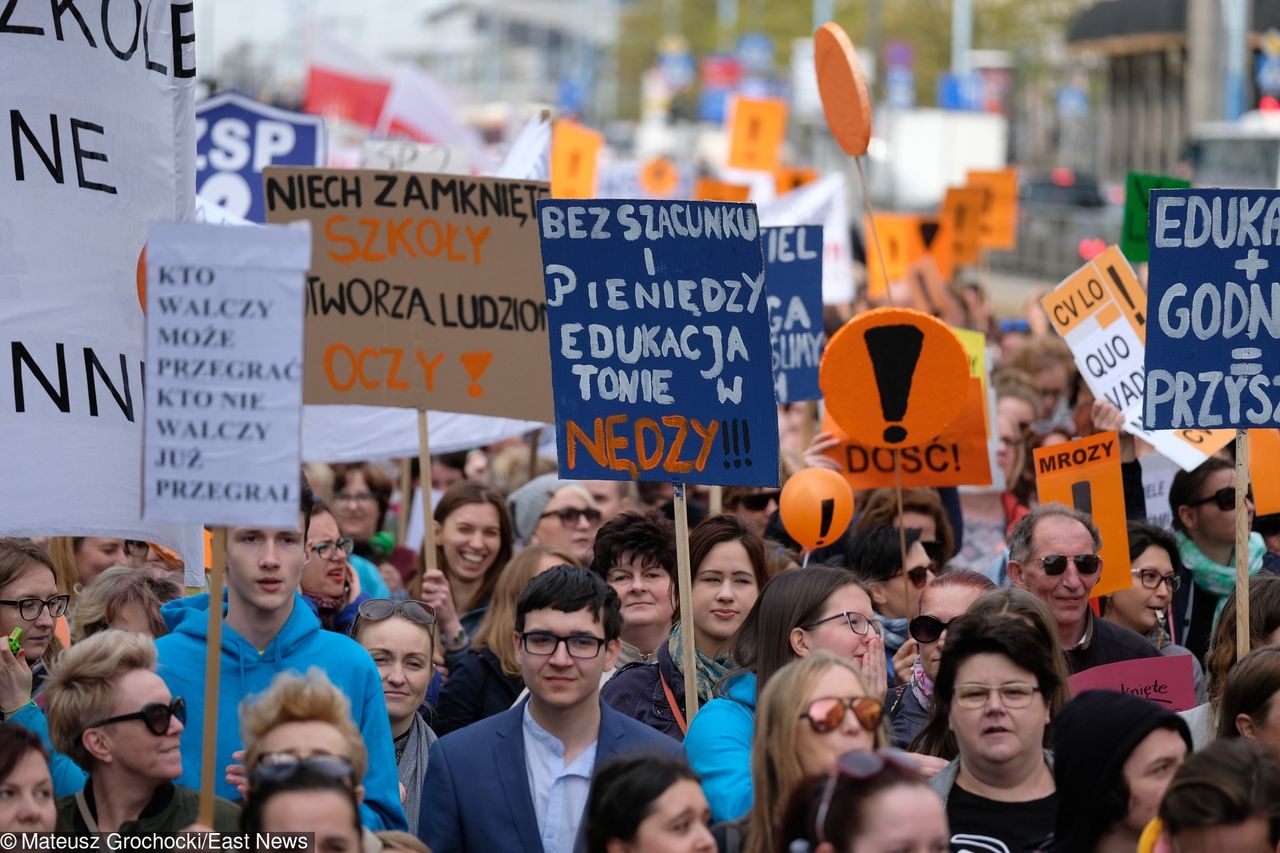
[729, 570]
[329, 584]
[1204, 520]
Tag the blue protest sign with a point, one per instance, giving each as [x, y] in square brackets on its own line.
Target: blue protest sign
[793, 276]
[659, 331]
[1213, 338]
[237, 137]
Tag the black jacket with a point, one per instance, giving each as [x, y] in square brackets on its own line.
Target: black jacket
[636, 691]
[476, 689]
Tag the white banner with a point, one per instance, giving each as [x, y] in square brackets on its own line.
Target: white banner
[353, 433]
[224, 400]
[820, 203]
[98, 99]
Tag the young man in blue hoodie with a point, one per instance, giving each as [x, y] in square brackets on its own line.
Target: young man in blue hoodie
[268, 628]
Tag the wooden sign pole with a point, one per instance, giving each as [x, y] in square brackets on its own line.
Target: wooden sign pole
[212, 672]
[687, 635]
[424, 465]
[406, 499]
[1242, 544]
[716, 504]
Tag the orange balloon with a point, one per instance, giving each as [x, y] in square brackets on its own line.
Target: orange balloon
[846, 100]
[659, 177]
[816, 507]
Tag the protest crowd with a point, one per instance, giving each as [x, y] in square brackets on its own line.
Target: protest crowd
[738, 540]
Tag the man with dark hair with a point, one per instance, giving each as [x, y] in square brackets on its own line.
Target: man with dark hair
[875, 556]
[1053, 554]
[636, 555]
[542, 753]
[1224, 797]
[268, 628]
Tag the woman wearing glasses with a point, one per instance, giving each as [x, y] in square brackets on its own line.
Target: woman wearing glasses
[813, 711]
[115, 717]
[29, 599]
[1157, 573]
[559, 513]
[797, 614]
[998, 689]
[398, 637]
[329, 584]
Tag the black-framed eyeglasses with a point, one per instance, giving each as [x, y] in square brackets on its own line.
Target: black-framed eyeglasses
[544, 644]
[927, 629]
[1056, 564]
[1224, 499]
[377, 609]
[570, 515]
[29, 608]
[758, 501]
[828, 712]
[860, 765]
[1014, 694]
[1152, 578]
[858, 623]
[156, 716]
[329, 549]
[273, 767]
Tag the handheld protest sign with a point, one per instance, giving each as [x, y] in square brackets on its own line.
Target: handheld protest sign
[894, 377]
[1100, 310]
[816, 507]
[659, 177]
[1264, 461]
[660, 352]
[212, 676]
[788, 178]
[709, 189]
[1137, 210]
[793, 268]
[959, 231]
[1085, 474]
[846, 100]
[1168, 681]
[758, 127]
[900, 246]
[998, 227]
[574, 153]
[1213, 338]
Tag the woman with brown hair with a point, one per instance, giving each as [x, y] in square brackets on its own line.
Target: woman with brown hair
[1248, 708]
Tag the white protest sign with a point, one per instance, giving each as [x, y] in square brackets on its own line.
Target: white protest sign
[820, 203]
[1100, 310]
[100, 141]
[224, 400]
[352, 433]
[402, 155]
[1157, 477]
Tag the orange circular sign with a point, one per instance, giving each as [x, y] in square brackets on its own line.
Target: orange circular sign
[894, 377]
[659, 177]
[846, 101]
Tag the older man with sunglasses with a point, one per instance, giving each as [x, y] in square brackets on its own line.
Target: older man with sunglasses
[1053, 554]
[111, 713]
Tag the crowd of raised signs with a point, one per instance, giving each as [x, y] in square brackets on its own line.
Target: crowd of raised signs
[904, 689]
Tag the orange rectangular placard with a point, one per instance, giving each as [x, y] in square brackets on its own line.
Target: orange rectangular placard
[1264, 462]
[958, 458]
[1085, 474]
[956, 244]
[900, 243]
[999, 223]
[574, 150]
[788, 178]
[709, 189]
[757, 127]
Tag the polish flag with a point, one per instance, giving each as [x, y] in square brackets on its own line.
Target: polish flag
[419, 108]
[342, 83]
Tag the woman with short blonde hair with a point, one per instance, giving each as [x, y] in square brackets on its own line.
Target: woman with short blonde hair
[294, 698]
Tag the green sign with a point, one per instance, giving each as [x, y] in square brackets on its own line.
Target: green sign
[1137, 202]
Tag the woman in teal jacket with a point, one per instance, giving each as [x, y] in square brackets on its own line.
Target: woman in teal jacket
[798, 612]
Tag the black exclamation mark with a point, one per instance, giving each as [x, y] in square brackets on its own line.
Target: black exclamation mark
[736, 445]
[894, 351]
[828, 512]
[1124, 291]
[724, 440]
[1082, 496]
[737, 463]
[746, 444]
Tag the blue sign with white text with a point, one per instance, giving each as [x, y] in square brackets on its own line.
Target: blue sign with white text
[793, 277]
[237, 137]
[658, 321]
[1213, 337]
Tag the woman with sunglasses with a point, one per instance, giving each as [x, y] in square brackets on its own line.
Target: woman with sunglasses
[329, 584]
[308, 801]
[813, 711]
[29, 599]
[871, 802]
[998, 689]
[473, 544]
[798, 613]
[1203, 502]
[398, 636]
[751, 505]
[946, 597]
[116, 718]
[875, 554]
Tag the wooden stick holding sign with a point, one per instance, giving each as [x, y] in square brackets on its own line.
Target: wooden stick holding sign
[1242, 544]
[428, 523]
[406, 500]
[684, 575]
[212, 670]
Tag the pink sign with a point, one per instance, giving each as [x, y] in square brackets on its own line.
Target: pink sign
[1167, 681]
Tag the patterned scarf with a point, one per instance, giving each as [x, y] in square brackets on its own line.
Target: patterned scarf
[921, 684]
[709, 671]
[895, 633]
[1215, 578]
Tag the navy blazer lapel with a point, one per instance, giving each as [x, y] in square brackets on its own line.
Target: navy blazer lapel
[611, 734]
[513, 774]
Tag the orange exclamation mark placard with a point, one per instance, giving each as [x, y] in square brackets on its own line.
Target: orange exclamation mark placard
[757, 129]
[475, 363]
[574, 150]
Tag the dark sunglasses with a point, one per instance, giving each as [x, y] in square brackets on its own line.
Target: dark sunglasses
[826, 714]
[927, 629]
[758, 501]
[1056, 564]
[1224, 499]
[919, 576]
[861, 765]
[154, 715]
[934, 550]
[274, 767]
[569, 515]
[377, 609]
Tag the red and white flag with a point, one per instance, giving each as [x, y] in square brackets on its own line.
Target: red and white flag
[419, 108]
[343, 83]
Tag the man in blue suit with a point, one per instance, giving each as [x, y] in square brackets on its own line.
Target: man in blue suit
[518, 781]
